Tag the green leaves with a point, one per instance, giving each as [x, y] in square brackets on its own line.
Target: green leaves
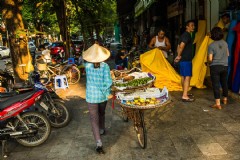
[135, 82]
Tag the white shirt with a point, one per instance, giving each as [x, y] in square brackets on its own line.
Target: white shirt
[161, 44]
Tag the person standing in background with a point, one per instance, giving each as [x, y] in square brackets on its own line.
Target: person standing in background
[185, 57]
[161, 42]
[98, 86]
[218, 60]
[224, 23]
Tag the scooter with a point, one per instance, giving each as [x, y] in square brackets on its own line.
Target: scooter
[17, 121]
[50, 104]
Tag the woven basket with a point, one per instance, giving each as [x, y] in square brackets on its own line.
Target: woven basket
[42, 66]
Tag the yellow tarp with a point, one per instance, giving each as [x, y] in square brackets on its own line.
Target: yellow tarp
[199, 68]
[154, 62]
[199, 37]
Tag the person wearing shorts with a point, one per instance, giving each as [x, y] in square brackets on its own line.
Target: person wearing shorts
[184, 58]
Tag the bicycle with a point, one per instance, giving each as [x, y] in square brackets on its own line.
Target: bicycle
[49, 71]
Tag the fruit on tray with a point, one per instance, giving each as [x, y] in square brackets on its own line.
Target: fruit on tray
[143, 102]
[134, 82]
[128, 78]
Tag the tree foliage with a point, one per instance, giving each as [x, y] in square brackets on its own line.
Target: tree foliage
[84, 16]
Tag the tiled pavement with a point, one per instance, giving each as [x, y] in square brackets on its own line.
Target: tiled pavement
[184, 131]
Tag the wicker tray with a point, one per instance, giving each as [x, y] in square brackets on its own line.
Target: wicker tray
[145, 107]
[149, 84]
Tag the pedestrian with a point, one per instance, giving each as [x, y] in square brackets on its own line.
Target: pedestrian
[218, 60]
[97, 89]
[121, 58]
[224, 23]
[161, 42]
[184, 58]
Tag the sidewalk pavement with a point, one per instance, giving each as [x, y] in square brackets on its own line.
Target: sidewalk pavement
[183, 131]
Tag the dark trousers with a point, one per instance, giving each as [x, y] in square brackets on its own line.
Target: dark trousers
[97, 117]
[219, 77]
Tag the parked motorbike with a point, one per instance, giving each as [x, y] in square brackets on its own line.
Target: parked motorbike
[59, 57]
[50, 104]
[29, 128]
[53, 107]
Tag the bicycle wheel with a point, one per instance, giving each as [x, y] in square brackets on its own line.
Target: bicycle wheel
[72, 74]
[140, 128]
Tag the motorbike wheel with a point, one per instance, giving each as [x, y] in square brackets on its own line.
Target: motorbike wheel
[59, 116]
[72, 74]
[34, 120]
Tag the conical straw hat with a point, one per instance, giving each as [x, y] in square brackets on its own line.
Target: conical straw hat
[96, 54]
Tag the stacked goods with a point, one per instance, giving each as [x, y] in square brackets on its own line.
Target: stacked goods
[129, 80]
[146, 97]
[134, 82]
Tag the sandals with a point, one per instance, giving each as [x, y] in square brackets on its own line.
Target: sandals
[224, 101]
[216, 106]
[188, 100]
[190, 95]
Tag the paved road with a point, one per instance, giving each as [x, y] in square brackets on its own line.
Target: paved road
[184, 131]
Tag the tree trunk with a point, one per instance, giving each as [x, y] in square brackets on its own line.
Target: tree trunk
[60, 9]
[21, 58]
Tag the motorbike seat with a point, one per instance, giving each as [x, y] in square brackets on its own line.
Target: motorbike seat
[17, 98]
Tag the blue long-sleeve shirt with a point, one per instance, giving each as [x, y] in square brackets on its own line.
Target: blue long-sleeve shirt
[99, 82]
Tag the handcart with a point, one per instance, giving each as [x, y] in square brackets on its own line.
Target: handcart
[136, 114]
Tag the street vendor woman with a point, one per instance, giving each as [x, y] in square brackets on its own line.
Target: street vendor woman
[97, 89]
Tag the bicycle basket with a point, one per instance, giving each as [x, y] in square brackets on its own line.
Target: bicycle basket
[41, 66]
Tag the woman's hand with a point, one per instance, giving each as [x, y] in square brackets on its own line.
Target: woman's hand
[110, 96]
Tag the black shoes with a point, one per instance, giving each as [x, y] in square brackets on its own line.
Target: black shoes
[100, 150]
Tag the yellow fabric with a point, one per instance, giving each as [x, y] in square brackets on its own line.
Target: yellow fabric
[199, 37]
[220, 24]
[199, 69]
[154, 62]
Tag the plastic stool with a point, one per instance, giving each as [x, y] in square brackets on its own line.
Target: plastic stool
[61, 82]
[119, 67]
[71, 61]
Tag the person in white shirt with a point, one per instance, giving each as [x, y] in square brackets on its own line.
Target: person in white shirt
[161, 42]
